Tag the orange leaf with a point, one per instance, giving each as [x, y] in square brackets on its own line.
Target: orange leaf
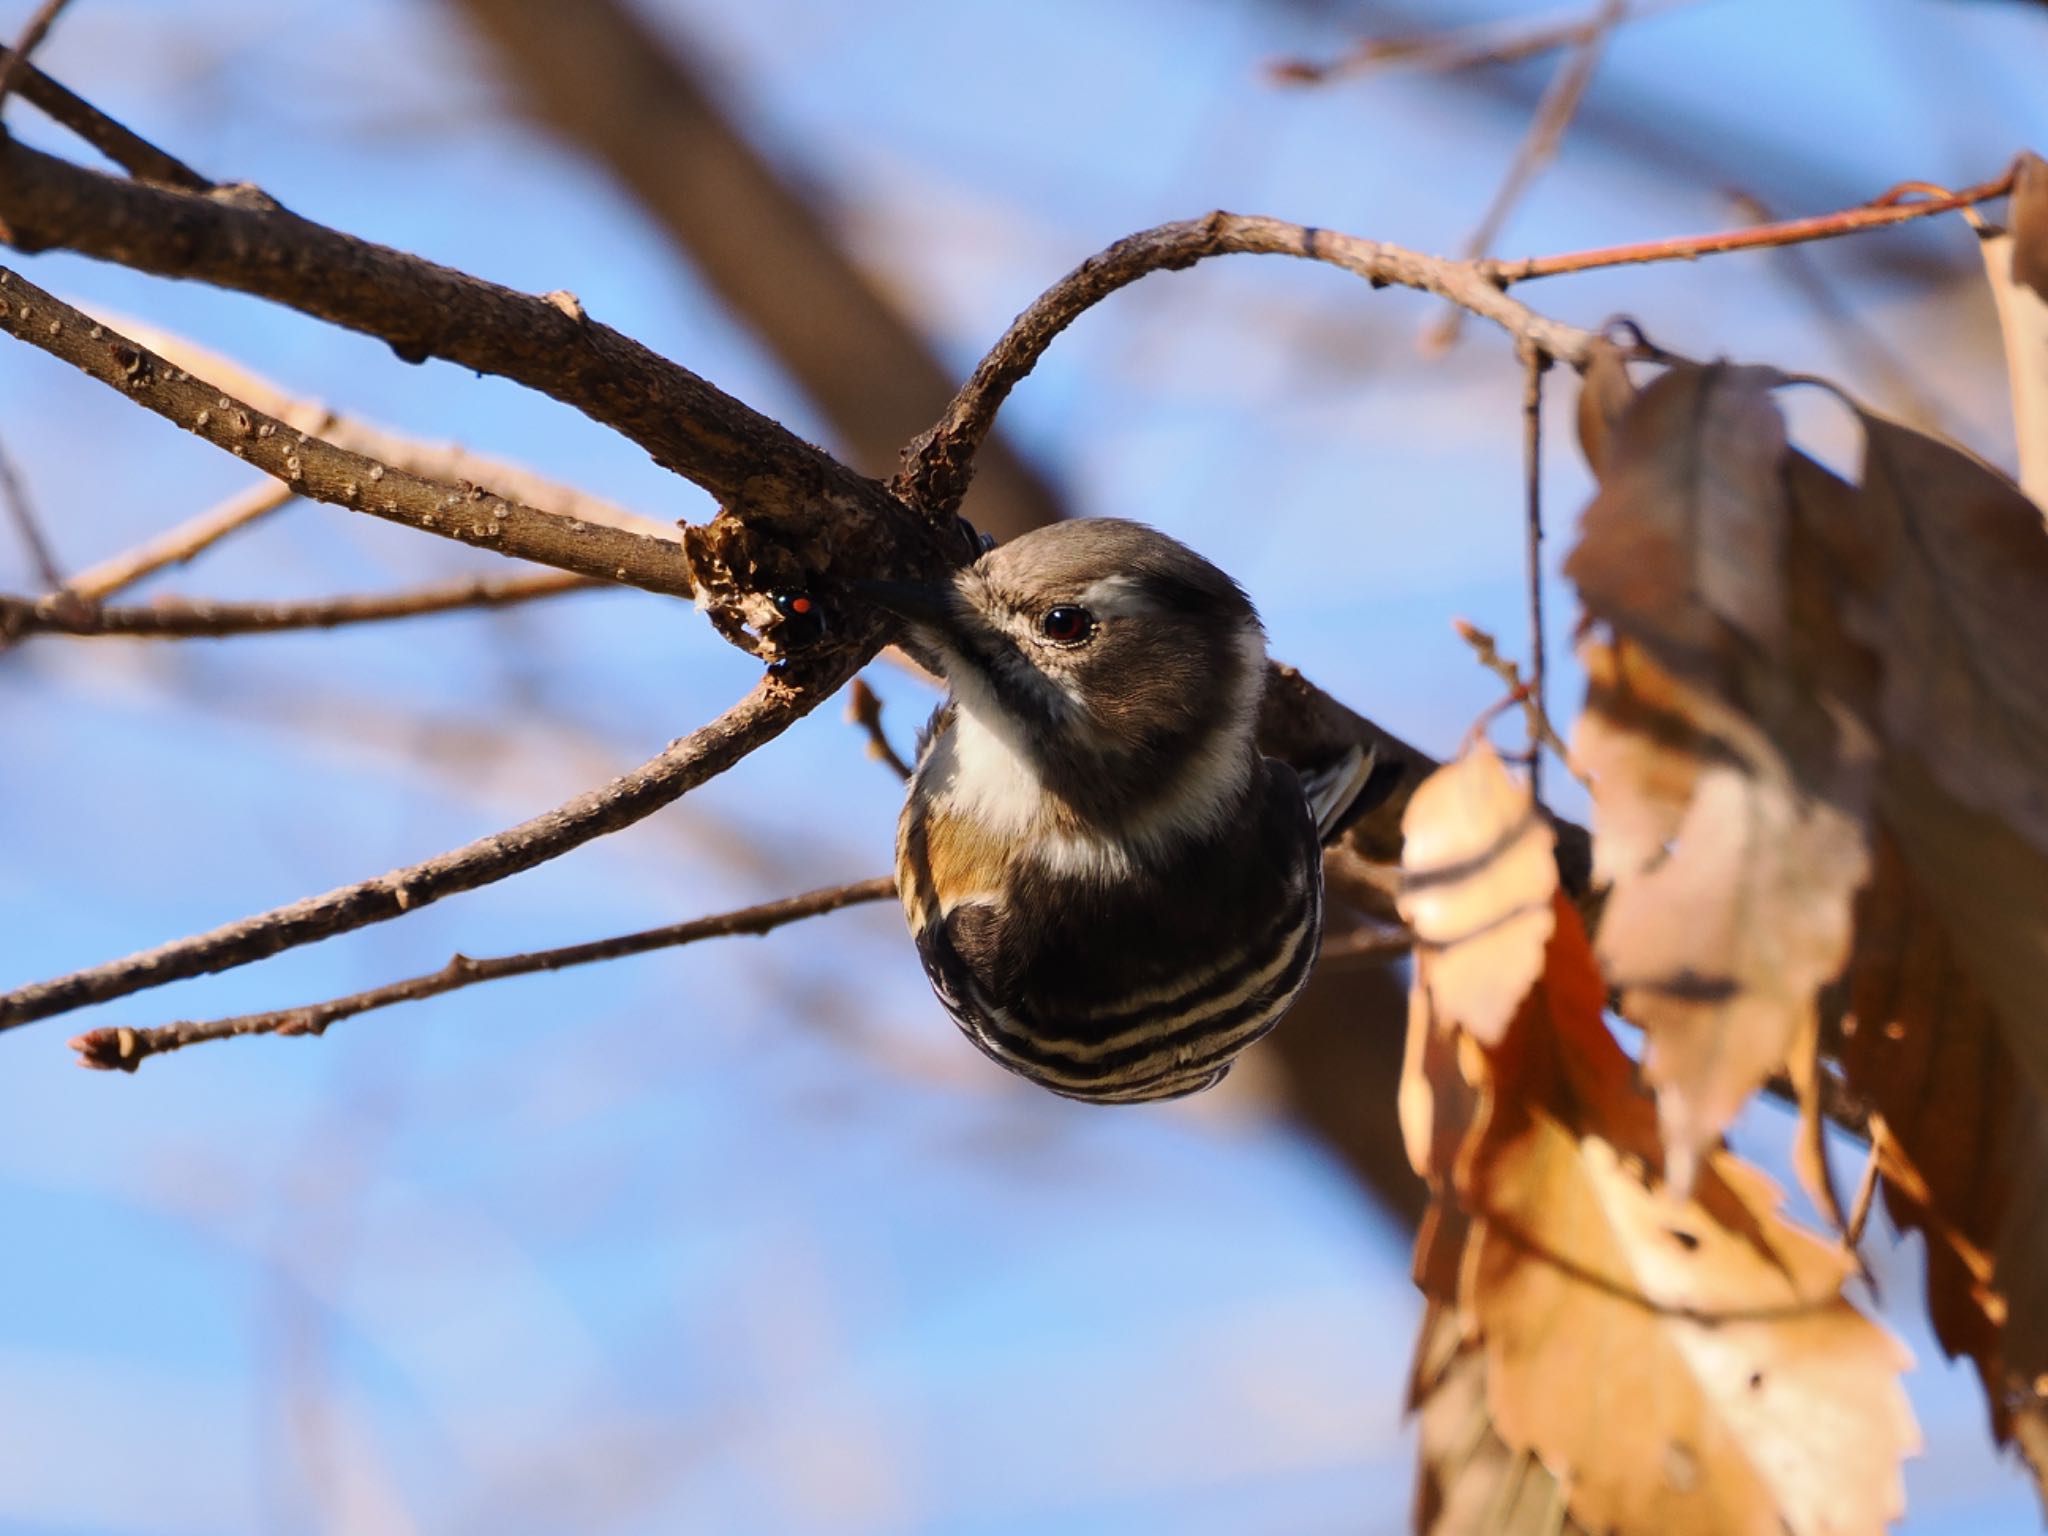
[1680, 1365]
[1471, 1483]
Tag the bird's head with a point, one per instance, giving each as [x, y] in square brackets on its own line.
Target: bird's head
[1114, 660]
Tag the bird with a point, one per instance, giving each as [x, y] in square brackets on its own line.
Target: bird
[1112, 891]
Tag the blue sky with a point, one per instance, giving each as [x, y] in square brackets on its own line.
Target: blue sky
[743, 1238]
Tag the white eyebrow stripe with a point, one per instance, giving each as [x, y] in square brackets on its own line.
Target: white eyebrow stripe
[1116, 597]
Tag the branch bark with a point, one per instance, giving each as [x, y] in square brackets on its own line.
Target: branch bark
[241, 239]
[116, 1048]
[321, 471]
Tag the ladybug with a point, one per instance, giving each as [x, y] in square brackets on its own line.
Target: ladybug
[803, 621]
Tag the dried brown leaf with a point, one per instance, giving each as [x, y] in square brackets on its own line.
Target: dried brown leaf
[1949, 603]
[2016, 262]
[1680, 1365]
[1953, 1124]
[1470, 1483]
[1685, 541]
[1478, 866]
[1730, 902]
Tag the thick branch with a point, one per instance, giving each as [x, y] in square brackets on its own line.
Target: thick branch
[180, 619]
[114, 1047]
[938, 465]
[321, 471]
[238, 238]
[760, 717]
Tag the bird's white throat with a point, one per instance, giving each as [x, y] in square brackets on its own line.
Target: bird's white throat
[983, 770]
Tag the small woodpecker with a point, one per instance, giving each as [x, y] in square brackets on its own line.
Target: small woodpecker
[1112, 890]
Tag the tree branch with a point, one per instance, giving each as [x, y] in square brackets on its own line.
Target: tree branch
[113, 1047]
[1886, 210]
[179, 619]
[127, 149]
[938, 465]
[1508, 42]
[771, 708]
[21, 512]
[1541, 141]
[186, 541]
[321, 471]
[864, 709]
[31, 39]
[449, 462]
[239, 238]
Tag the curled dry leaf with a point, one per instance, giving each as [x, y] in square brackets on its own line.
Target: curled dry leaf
[1478, 867]
[1730, 902]
[2016, 262]
[1679, 1365]
[1605, 394]
[1685, 540]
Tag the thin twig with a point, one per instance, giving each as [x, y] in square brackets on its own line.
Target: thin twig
[1555, 109]
[1866, 1185]
[1889, 209]
[864, 709]
[179, 619]
[1508, 42]
[175, 546]
[322, 471]
[771, 708]
[1861, 341]
[120, 144]
[1535, 365]
[30, 40]
[1519, 692]
[22, 513]
[114, 1047]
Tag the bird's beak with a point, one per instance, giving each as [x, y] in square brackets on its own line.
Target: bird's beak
[930, 604]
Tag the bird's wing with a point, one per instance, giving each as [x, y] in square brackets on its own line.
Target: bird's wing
[1339, 792]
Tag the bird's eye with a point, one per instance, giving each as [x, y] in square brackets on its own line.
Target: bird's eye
[1067, 625]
